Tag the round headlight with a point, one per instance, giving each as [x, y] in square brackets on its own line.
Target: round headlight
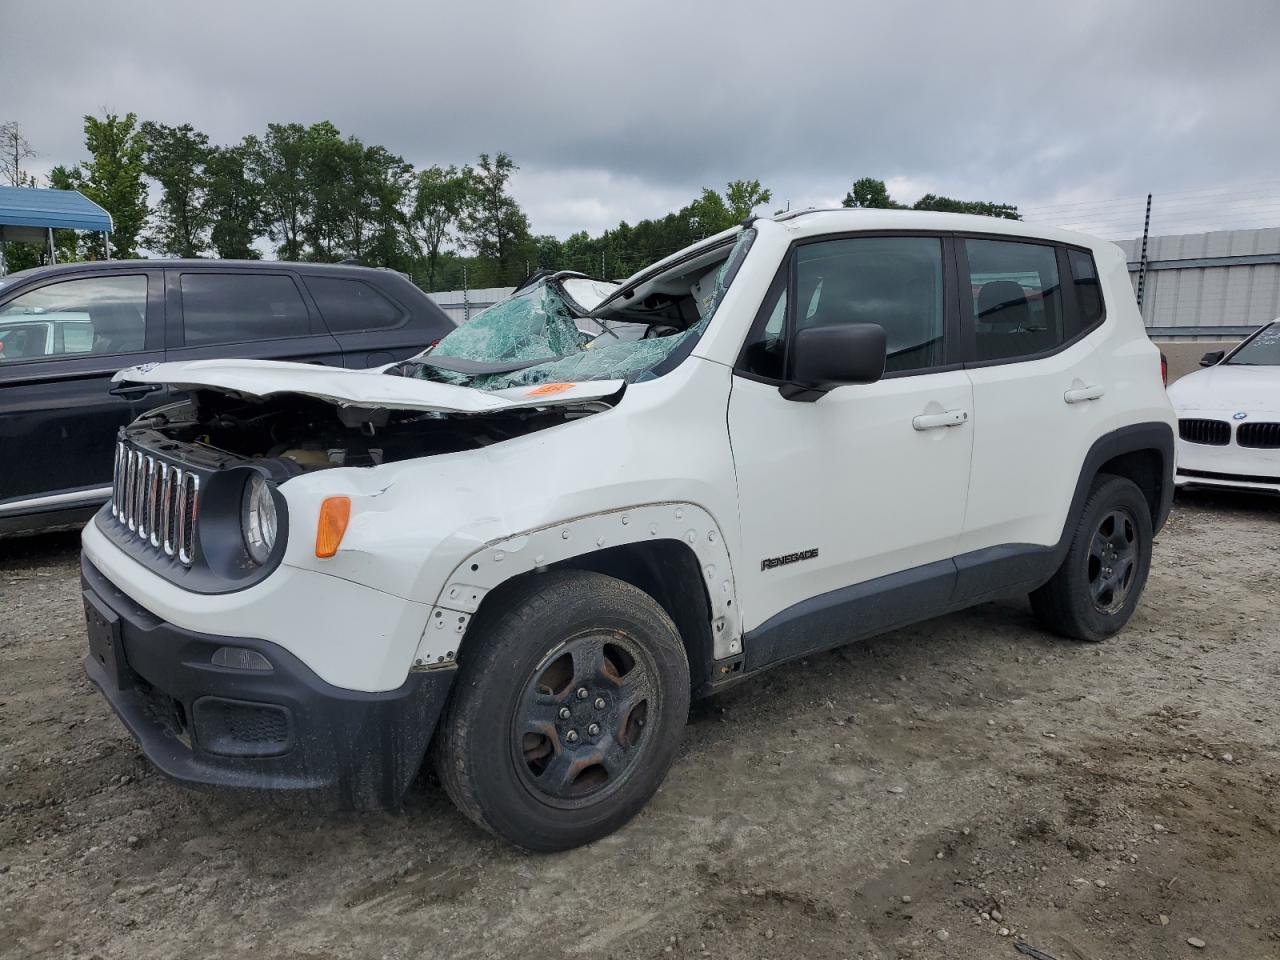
[258, 519]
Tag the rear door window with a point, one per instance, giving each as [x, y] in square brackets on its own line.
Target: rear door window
[241, 307]
[1017, 299]
[352, 306]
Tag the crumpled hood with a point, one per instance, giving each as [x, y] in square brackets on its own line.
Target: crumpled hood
[1222, 387]
[363, 389]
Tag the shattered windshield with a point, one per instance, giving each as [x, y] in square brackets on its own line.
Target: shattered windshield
[535, 337]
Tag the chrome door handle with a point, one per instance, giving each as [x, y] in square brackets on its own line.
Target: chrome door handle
[1083, 394]
[948, 418]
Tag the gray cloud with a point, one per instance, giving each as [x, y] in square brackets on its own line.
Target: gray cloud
[628, 109]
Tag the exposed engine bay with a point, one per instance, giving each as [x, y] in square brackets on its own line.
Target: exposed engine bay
[299, 434]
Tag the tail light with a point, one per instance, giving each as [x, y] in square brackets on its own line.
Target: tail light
[1164, 368]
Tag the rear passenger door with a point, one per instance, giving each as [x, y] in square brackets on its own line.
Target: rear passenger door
[1032, 318]
[372, 327]
[252, 315]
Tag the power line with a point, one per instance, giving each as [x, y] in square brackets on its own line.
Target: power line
[1141, 198]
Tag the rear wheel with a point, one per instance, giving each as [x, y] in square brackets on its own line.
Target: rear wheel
[569, 706]
[1097, 588]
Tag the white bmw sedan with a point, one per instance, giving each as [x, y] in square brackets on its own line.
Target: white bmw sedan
[1229, 417]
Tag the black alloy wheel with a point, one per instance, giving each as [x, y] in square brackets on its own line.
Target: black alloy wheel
[1113, 560]
[581, 721]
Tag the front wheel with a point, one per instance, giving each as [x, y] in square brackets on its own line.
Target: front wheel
[569, 706]
[1097, 588]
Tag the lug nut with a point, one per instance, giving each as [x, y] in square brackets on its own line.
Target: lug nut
[564, 713]
[594, 729]
[599, 703]
[582, 693]
[572, 736]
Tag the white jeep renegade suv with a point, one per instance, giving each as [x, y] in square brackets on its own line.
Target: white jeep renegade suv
[524, 551]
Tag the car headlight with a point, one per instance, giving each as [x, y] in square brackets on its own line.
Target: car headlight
[258, 520]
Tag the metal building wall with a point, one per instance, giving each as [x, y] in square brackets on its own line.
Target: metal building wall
[1220, 284]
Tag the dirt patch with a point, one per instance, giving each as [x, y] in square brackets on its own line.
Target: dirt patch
[913, 796]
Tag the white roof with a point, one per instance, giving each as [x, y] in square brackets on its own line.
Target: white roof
[810, 223]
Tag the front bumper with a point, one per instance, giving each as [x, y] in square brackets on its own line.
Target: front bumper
[278, 729]
[1227, 466]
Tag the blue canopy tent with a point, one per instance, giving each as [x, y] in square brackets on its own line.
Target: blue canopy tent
[30, 215]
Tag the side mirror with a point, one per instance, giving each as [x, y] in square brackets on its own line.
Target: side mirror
[823, 358]
[1212, 358]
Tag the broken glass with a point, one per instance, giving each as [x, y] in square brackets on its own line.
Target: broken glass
[537, 324]
[529, 325]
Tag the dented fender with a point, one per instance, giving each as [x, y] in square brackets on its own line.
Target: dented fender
[502, 560]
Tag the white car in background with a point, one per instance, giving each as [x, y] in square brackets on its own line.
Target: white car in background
[1229, 417]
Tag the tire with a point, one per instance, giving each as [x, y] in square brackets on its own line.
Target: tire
[506, 753]
[1097, 588]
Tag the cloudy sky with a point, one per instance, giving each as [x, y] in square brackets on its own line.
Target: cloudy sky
[625, 110]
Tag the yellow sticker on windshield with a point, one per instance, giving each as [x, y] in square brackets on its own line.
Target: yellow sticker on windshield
[550, 388]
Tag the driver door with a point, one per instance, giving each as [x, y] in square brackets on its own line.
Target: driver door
[851, 506]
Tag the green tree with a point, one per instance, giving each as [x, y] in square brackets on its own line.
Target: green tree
[982, 208]
[329, 174]
[870, 192]
[231, 202]
[176, 158]
[709, 214]
[278, 166]
[550, 251]
[379, 206]
[743, 196]
[440, 197]
[360, 195]
[68, 244]
[492, 223]
[112, 178]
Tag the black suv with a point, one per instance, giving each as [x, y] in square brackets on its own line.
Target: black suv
[65, 330]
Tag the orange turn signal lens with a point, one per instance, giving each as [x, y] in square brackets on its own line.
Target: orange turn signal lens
[334, 514]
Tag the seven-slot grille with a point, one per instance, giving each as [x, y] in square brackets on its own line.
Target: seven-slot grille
[1259, 435]
[156, 501]
[1216, 433]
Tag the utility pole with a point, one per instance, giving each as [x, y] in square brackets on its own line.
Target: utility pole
[1142, 260]
[466, 302]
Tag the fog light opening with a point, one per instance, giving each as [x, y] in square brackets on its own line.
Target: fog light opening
[240, 658]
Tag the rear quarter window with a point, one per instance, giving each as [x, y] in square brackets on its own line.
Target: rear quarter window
[352, 306]
[1084, 277]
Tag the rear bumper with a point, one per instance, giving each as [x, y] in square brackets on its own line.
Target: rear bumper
[281, 729]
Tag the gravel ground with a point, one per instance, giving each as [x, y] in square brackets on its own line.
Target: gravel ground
[950, 790]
